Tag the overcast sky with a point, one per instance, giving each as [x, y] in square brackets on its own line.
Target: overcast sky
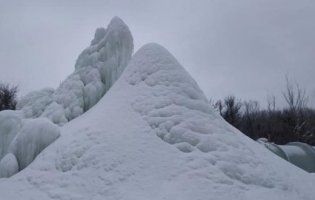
[243, 47]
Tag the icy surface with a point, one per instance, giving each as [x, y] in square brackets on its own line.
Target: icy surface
[23, 138]
[8, 166]
[96, 70]
[34, 136]
[10, 124]
[153, 136]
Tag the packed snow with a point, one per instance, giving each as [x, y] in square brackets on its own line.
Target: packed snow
[154, 136]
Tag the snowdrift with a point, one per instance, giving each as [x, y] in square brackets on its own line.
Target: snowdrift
[154, 136]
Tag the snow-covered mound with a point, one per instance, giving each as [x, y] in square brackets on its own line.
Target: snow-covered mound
[154, 136]
[96, 69]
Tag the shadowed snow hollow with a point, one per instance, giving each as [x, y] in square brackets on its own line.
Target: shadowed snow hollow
[154, 136]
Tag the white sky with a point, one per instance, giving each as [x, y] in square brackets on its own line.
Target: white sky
[243, 47]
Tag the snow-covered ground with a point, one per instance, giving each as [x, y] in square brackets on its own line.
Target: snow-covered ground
[154, 136]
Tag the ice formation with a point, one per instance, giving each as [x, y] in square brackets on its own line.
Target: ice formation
[8, 166]
[96, 70]
[34, 136]
[10, 124]
[154, 136]
[22, 140]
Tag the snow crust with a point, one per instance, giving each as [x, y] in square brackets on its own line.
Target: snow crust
[153, 136]
[96, 70]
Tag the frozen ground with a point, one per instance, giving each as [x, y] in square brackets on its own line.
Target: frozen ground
[154, 136]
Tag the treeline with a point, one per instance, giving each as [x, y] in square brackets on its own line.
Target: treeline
[295, 122]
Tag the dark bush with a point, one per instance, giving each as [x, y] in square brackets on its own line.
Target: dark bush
[8, 97]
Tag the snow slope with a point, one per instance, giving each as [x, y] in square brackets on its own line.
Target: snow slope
[154, 136]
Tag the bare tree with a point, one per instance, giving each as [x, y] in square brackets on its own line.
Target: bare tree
[231, 111]
[271, 102]
[294, 95]
[8, 97]
[297, 100]
[219, 106]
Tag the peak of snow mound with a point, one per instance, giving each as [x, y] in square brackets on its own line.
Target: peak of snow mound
[154, 136]
[178, 111]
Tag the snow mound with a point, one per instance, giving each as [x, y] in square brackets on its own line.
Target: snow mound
[179, 112]
[96, 70]
[153, 136]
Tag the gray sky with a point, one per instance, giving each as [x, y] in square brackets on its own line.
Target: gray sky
[243, 47]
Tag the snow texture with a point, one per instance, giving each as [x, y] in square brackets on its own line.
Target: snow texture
[154, 136]
[96, 70]
[8, 166]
